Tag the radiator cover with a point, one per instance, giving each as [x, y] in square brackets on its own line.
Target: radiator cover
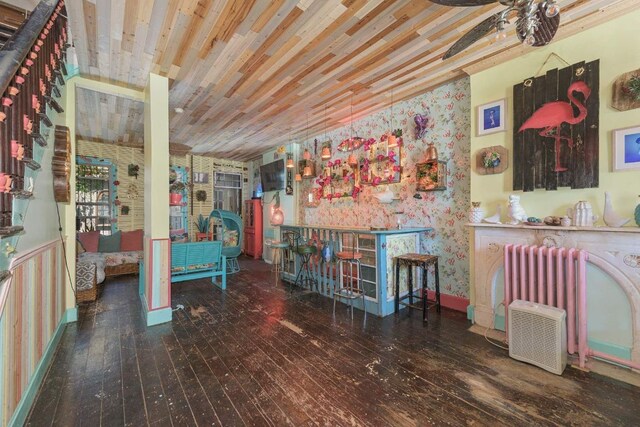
[538, 335]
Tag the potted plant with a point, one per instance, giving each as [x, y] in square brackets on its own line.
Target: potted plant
[202, 225]
[632, 88]
[176, 190]
[392, 139]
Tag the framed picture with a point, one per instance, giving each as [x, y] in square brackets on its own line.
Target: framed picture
[431, 176]
[626, 149]
[491, 117]
[201, 177]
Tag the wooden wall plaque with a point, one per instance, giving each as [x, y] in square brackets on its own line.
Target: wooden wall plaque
[558, 146]
[61, 165]
[621, 100]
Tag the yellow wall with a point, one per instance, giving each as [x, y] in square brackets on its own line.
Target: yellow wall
[156, 157]
[615, 44]
[121, 157]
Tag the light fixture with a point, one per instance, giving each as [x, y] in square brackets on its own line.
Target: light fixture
[431, 153]
[325, 154]
[298, 177]
[352, 160]
[392, 140]
[306, 171]
[552, 8]
[501, 32]
[290, 164]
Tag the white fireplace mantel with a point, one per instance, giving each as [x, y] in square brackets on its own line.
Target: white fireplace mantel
[616, 251]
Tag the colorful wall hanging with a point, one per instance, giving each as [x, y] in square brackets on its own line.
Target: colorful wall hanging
[626, 91]
[556, 118]
[492, 160]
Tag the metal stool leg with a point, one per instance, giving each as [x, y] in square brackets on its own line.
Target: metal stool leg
[425, 287]
[364, 306]
[437, 287]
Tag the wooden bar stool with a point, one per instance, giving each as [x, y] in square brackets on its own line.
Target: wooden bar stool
[277, 247]
[421, 261]
[348, 291]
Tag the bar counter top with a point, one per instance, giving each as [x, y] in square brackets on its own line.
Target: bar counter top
[362, 230]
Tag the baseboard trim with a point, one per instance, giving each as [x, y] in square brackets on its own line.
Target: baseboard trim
[155, 317]
[26, 402]
[609, 348]
[451, 301]
[471, 311]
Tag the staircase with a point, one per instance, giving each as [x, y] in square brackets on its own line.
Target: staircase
[11, 18]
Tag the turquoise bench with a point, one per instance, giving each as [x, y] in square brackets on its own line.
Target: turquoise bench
[197, 260]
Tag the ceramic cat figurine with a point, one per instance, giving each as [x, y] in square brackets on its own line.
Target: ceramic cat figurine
[516, 211]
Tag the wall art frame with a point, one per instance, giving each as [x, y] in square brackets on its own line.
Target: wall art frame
[431, 176]
[491, 117]
[626, 148]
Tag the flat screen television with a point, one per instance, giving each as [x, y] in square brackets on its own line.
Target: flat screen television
[272, 176]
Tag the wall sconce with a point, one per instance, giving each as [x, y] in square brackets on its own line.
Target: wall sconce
[298, 177]
[290, 164]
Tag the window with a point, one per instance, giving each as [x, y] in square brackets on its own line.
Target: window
[95, 195]
[227, 191]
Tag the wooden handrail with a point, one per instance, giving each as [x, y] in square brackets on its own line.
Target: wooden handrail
[17, 48]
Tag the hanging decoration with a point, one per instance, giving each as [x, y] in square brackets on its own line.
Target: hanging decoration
[133, 170]
[422, 122]
[353, 142]
[201, 195]
[556, 117]
[277, 216]
[124, 210]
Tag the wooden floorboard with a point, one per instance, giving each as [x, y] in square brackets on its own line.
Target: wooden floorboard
[257, 355]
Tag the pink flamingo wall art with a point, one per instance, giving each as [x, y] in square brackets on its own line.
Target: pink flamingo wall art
[550, 117]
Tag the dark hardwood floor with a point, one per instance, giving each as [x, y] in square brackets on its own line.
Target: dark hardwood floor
[256, 355]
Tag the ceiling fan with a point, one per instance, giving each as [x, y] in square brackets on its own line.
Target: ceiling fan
[536, 23]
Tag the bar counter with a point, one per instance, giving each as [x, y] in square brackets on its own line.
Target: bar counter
[378, 247]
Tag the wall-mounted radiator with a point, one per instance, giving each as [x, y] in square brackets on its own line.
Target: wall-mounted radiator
[554, 277]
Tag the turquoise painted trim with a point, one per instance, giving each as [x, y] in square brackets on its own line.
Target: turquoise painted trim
[24, 406]
[612, 349]
[471, 313]
[155, 317]
[141, 278]
[70, 315]
[498, 322]
[156, 264]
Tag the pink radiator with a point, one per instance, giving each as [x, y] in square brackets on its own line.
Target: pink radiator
[555, 277]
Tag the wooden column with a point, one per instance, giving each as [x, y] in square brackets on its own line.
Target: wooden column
[156, 289]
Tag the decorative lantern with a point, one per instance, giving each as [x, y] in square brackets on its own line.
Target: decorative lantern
[277, 217]
[432, 153]
[290, 164]
[326, 153]
[307, 171]
[298, 177]
[352, 160]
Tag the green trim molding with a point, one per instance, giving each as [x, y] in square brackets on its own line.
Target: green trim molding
[471, 312]
[28, 398]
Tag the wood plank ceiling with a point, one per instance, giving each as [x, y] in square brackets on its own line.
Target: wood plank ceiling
[250, 73]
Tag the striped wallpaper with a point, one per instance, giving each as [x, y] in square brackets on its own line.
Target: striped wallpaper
[32, 305]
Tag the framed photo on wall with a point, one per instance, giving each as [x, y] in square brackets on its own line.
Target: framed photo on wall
[491, 117]
[626, 149]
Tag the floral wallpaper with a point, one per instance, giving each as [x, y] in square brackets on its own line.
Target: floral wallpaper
[449, 110]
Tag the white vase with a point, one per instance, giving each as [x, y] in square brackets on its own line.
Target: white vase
[476, 213]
